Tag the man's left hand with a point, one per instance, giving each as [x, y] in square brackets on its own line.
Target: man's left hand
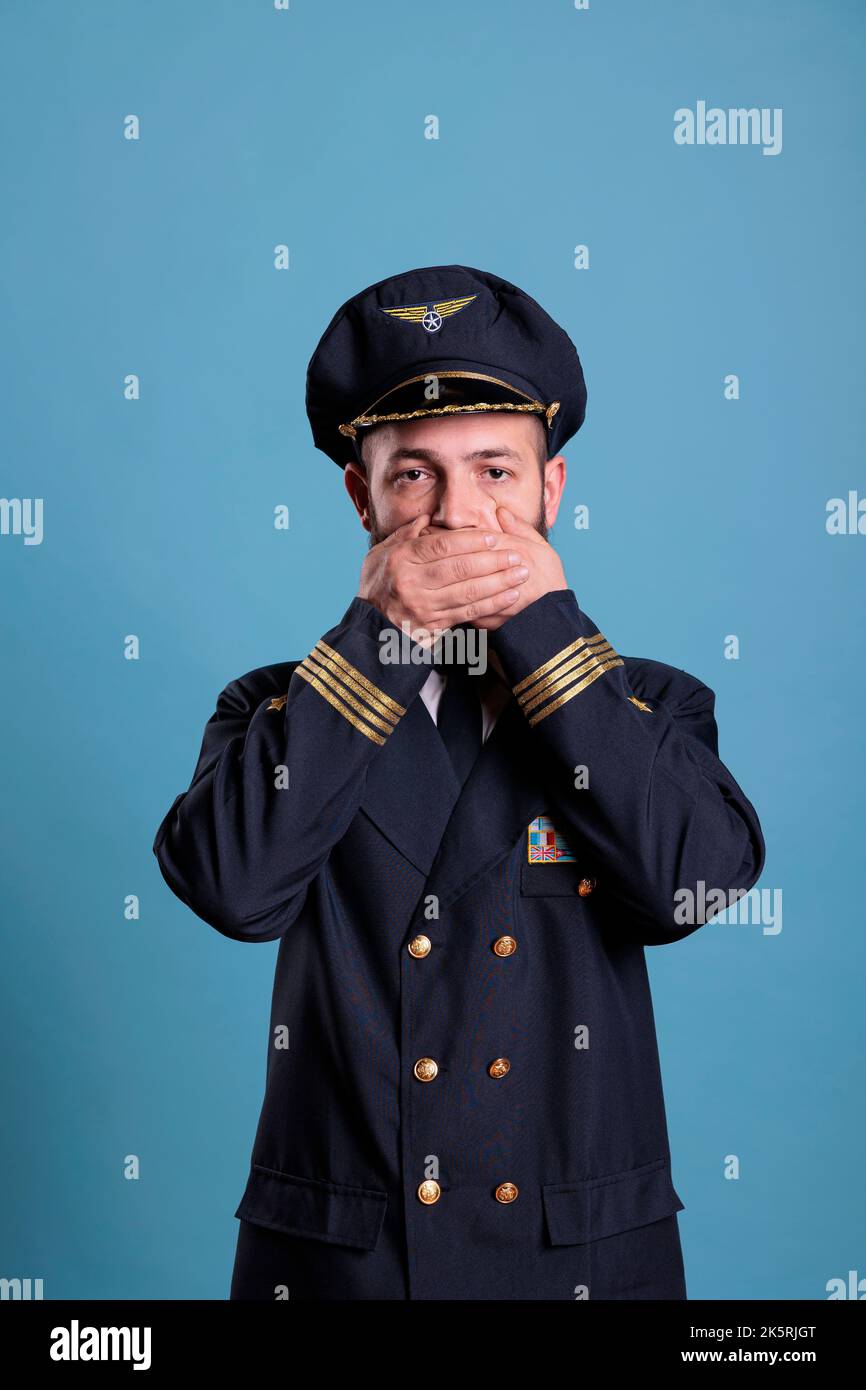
[539, 557]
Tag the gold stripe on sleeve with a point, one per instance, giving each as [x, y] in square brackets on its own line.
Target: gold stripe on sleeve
[325, 676]
[338, 704]
[336, 673]
[378, 699]
[564, 675]
[594, 674]
[589, 642]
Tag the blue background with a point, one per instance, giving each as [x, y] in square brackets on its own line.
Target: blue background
[155, 257]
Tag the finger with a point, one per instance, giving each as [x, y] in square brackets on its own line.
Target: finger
[475, 599]
[515, 525]
[485, 608]
[408, 531]
[439, 543]
[507, 565]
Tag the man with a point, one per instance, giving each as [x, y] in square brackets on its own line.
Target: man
[463, 1095]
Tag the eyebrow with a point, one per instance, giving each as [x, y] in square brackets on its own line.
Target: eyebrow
[431, 455]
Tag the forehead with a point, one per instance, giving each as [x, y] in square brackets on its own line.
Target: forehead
[457, 436]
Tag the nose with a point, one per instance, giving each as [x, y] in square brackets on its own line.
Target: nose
[460, 504]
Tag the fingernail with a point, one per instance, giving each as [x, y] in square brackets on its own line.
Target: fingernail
[513, 557]
[489, 540]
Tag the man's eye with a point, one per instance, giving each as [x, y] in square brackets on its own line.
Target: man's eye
[406, 472]
[498, 470]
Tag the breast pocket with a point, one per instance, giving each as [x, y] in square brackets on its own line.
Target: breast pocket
[561, 879]
[551, 866]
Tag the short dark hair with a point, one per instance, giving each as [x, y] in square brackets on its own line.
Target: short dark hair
[541, 447]
[542, 443]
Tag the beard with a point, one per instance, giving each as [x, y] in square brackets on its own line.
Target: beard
[378, 534]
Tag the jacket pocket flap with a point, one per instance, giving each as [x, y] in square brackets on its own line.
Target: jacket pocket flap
[329, 1211]
[582, 1211]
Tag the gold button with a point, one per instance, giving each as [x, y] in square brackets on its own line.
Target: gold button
[419, 946]
[501, 1067]
[505, 945]
[585, 887]
[506, 1192]
[429, 1192]
[426, 1069]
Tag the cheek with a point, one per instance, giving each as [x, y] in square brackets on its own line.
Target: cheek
[522, 496]
[394, 507]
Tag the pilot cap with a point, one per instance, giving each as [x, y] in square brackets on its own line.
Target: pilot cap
[441, 340]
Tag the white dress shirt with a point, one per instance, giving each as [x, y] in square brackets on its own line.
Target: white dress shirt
[493, 687]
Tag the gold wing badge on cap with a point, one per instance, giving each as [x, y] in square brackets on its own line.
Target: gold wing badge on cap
[430, 316]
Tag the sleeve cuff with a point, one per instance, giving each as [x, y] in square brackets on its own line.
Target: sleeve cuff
[551, 652]
[369, 681]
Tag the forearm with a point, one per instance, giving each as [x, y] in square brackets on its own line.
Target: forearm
[279, 781]
[655, 810]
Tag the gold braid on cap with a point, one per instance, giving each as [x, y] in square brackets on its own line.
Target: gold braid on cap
[351, 430]
[367, 417]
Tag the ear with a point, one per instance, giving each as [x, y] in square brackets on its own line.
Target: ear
[555, 472]
[355, 480]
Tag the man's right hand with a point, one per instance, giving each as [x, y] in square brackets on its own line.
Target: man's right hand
[441, 578]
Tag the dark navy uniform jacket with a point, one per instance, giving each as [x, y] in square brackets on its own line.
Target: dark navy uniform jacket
[470, 1104]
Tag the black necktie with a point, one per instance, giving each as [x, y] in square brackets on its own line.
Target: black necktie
[460, 720]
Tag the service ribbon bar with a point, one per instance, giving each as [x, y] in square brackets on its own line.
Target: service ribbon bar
[570, 671]
[344, 686]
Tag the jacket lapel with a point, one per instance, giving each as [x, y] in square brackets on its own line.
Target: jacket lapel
[452, 835]
[411, 787]
[501, 795]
